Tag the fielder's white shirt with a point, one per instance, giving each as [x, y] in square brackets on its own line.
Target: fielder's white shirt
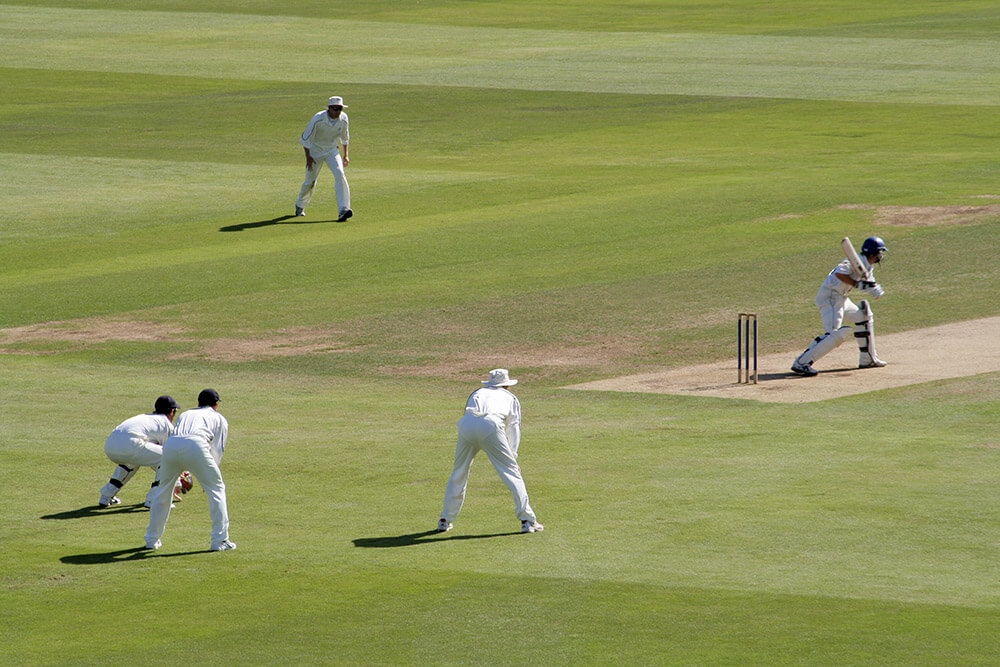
[204, 424]
[149, 428]
[324, 136]
[500, 407]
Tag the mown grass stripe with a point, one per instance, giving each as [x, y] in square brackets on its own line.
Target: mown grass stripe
[236, 46]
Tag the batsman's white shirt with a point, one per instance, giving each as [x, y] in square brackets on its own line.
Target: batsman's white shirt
[831, 299]
[324, 136]
[835, 284]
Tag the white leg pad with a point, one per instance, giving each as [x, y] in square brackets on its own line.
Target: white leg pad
[823, 345]
[119, 478]
[864, 333]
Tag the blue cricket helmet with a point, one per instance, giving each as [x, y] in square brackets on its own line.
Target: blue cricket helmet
[873, 245]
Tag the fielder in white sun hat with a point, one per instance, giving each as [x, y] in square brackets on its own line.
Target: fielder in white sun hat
[337, 101]
[492, 424]
[499, 377]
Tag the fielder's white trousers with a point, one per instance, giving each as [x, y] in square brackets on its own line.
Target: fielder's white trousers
[132, 453]
[481, 433]
[182, 453]
[336, 164]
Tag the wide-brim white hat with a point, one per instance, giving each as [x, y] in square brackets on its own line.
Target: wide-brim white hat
[336, 101]
[499, 377]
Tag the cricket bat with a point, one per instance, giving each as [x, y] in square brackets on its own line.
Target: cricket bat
[854, 259]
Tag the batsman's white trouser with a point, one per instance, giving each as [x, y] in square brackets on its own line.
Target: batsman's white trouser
[182, 453]
[481, 433]
[834, 308]
[336, 164]
[130, 454]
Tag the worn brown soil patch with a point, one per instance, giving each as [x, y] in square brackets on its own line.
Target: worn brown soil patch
[86, 332]
[83, 333]
[936, 353]
[580, 356]
[948, 351]
[927, 216]
[285, 343]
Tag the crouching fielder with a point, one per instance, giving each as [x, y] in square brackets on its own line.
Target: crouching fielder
[835, 308]
[197, 444]
[492, 423]
[136, 442]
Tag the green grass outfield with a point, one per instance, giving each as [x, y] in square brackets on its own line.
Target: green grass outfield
[573, 190]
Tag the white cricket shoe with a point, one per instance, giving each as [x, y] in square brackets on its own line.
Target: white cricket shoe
[224, 546]
[872, 363]
[531, 527]
[804, 369]
[154, 546]
[108, 502]
[444, 525]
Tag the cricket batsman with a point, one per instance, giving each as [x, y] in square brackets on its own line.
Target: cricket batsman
[835, 307]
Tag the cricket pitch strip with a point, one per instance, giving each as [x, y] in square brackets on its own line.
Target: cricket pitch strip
[948, 351]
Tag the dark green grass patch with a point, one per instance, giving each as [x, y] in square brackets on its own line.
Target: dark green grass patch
[326, 617]
[966, 18]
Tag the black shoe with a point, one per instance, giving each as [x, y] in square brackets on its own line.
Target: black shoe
[345, 214]
[299, 211]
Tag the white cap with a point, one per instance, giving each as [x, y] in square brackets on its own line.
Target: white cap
[337, 101]
[499, 377]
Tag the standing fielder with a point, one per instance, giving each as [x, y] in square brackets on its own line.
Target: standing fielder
[492, 423]
[197, 444]
[834, 307]
[324, 137]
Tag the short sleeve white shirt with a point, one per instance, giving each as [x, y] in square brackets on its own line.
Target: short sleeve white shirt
[837, 285]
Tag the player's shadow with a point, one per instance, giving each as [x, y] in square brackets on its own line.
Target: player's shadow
[135, 553]
[419, 538]
[767, 377]
[788, 375]
[273, 221]
[94, 510]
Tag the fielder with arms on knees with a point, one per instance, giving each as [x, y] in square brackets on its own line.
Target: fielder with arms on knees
[197, 444]
[492, 423]
[835, 307]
